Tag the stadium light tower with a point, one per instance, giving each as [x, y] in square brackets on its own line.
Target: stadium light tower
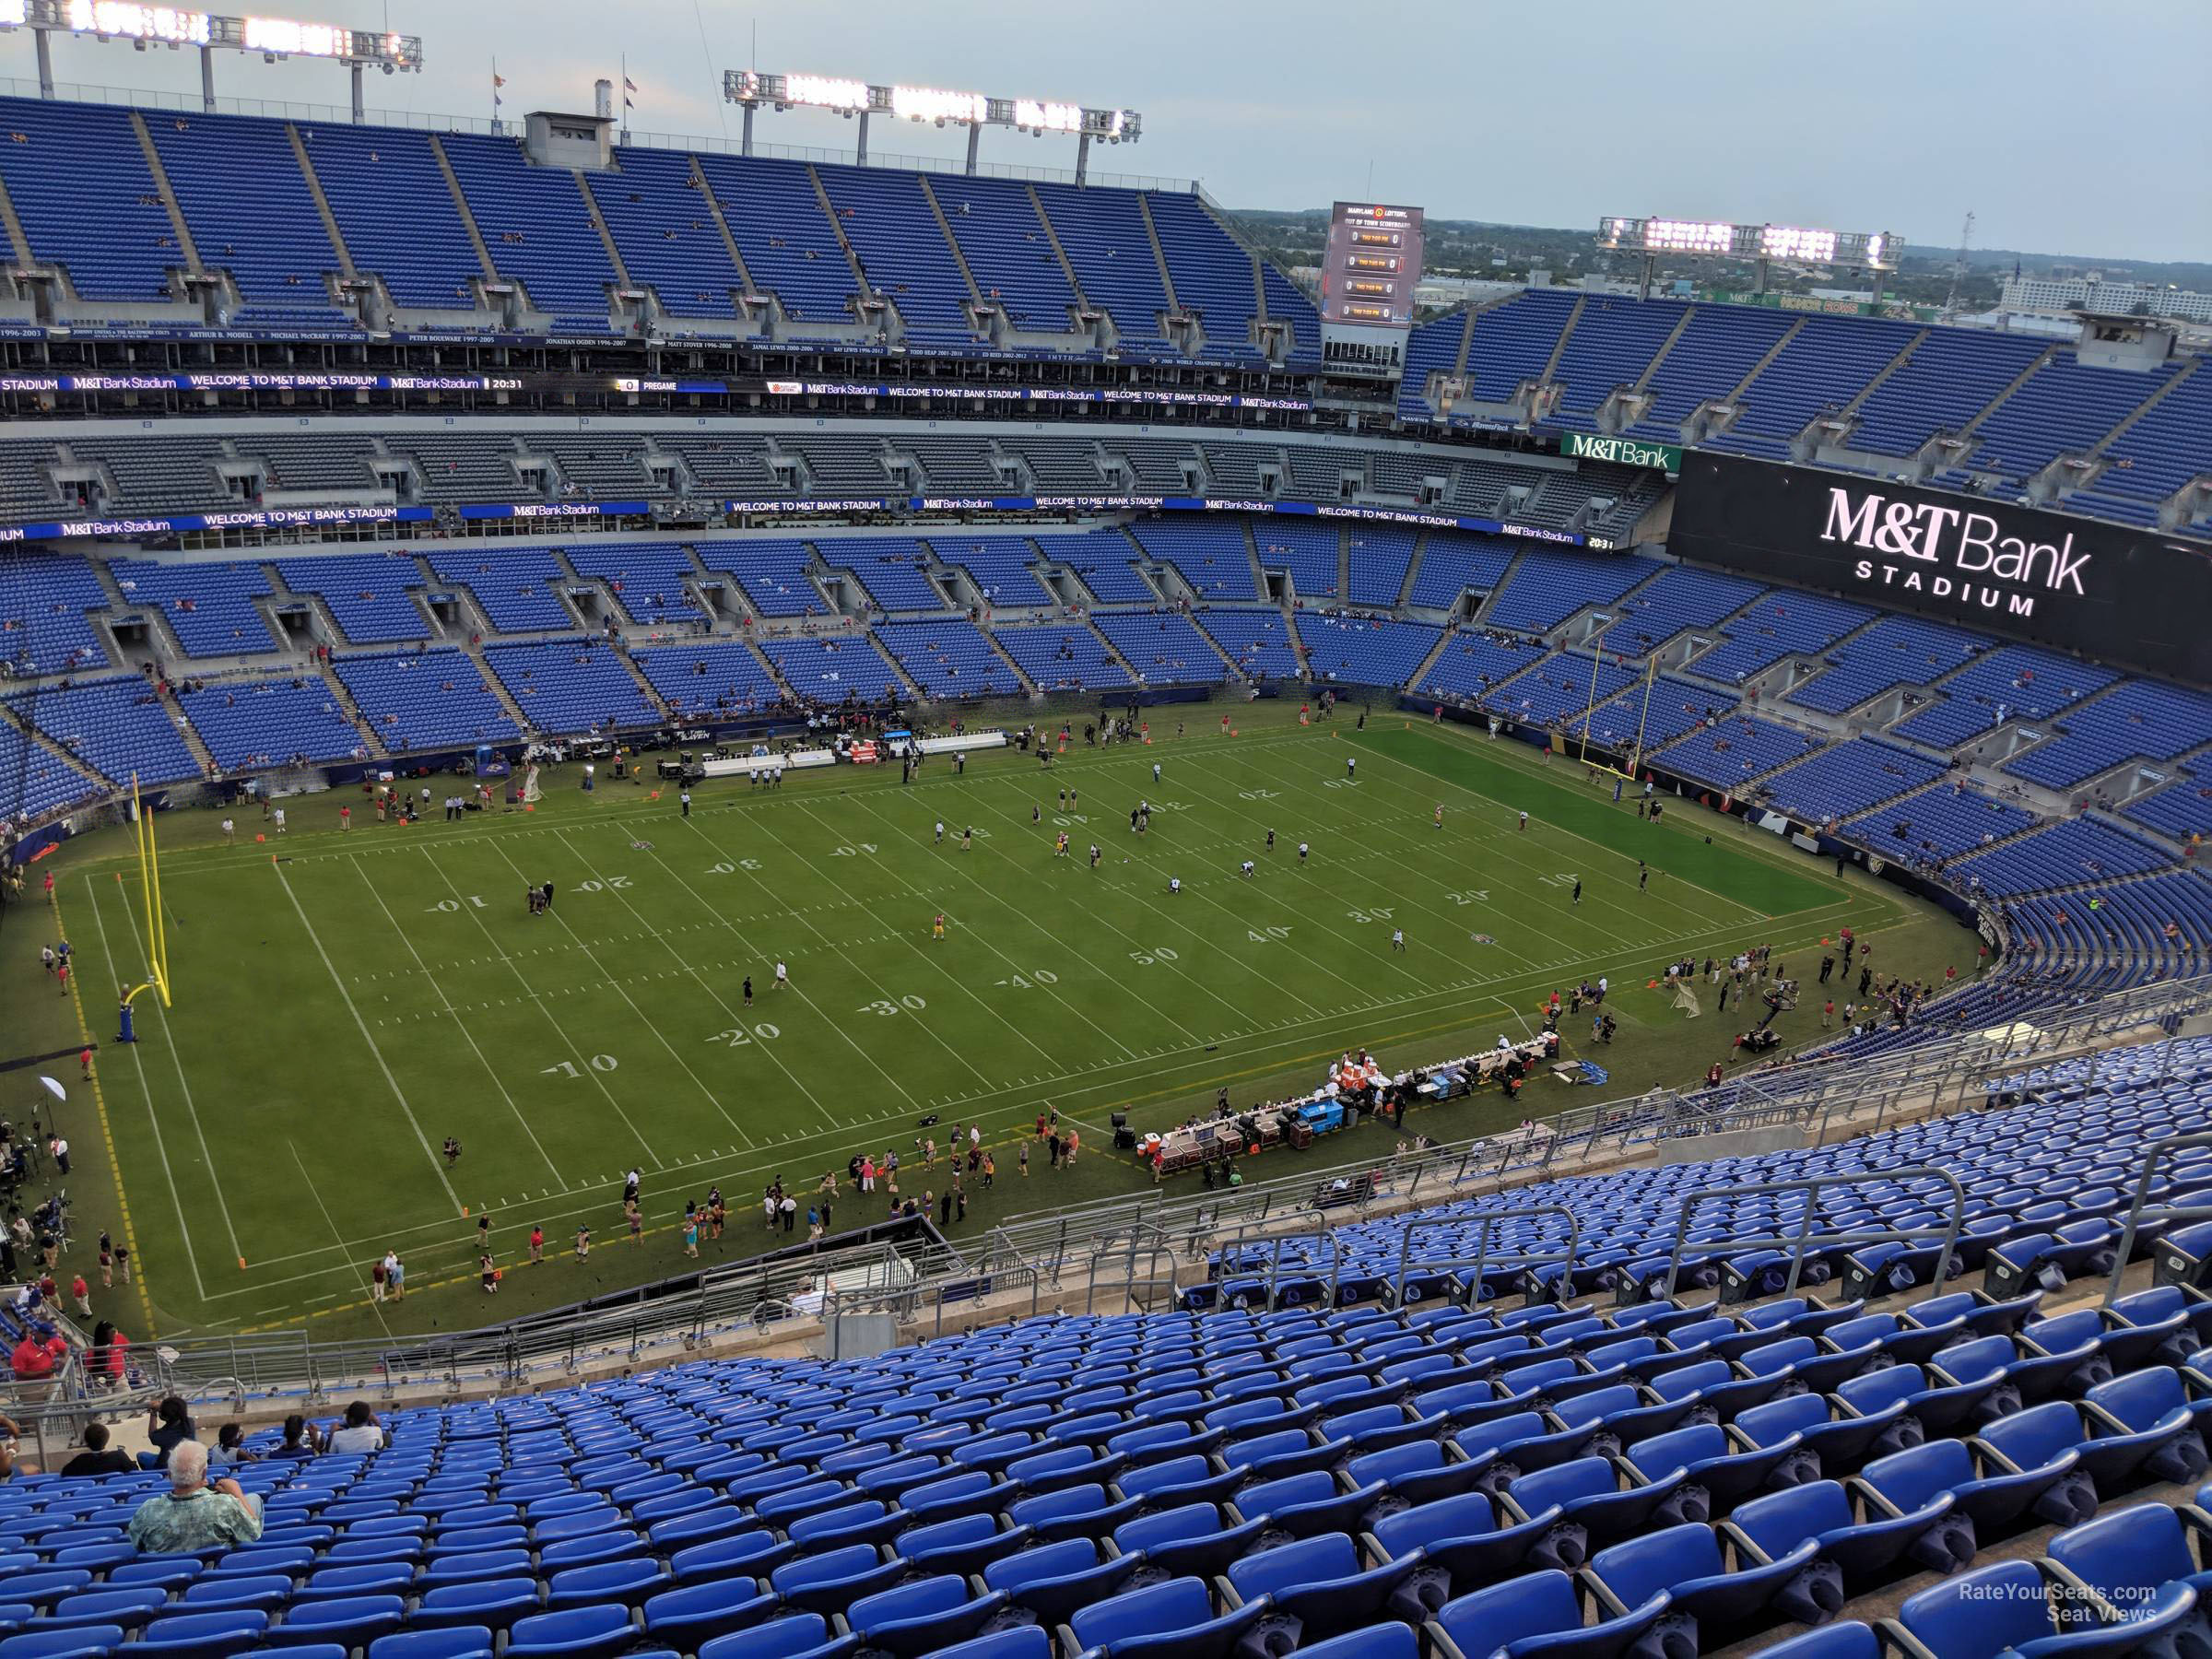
[145, 27]
[1874, 251]
[750, 89]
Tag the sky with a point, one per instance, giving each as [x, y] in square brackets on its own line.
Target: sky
[2060, 134]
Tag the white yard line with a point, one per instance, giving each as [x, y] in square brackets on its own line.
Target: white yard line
[376, 1054]
[697, 1082]
[1032, 923]
[374, 1301]
[153, 1114]
[829, 1020]
[460, 1025]
[191, 1110]
[576, 1055]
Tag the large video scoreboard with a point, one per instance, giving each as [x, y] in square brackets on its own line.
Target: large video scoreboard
[1368, 277]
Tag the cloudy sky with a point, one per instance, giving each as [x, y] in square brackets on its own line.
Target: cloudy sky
[2062, 133]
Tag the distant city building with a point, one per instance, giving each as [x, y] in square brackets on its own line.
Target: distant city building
[2121, 299]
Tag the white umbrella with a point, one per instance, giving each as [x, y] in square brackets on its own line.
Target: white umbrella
[53, 1089]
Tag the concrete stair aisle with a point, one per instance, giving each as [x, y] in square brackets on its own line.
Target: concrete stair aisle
[837, 229]
[952, 242]
[315, 189]
[39, 739]
[18, 241]
[475, 653]
[1904, 357]
[1159, 254]
[1413, 571]
[190, 253]
[985, 627]
[1428, 662]
[1665, 346]
[722, 224]
[1559, 349]
[344, 698]
[606, 237]
[468, 220]
[1052, 236]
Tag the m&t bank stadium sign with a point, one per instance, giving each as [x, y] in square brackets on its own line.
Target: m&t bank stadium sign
[1596, 446]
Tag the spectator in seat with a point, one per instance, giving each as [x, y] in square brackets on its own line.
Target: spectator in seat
[296, 1440]
[360, 1433]
[99, 1457]
[35, 1357]
[193, 1514]
[167, 1426]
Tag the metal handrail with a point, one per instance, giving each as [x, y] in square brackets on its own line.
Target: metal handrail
[2154, 1154]
[1275, 1261]
[1804, 1239]
[1480, 1260]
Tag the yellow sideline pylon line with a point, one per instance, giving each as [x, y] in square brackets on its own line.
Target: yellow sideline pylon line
[107, 1134]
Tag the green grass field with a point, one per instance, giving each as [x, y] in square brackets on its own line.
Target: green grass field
[344, 1002]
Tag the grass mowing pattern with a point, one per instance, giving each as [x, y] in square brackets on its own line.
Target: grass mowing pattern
[347, 1003]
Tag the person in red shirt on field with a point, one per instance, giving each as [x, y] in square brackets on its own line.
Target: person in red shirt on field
[537, 1245]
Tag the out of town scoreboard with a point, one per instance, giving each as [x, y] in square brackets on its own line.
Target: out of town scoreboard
[1367, 275]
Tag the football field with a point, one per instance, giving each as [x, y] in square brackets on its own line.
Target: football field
[344, 1002]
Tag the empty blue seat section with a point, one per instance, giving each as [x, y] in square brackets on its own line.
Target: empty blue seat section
[1847, 778]
[1105, 561]
[1560, 686]
[1365, 650]
[1896, 651]
[1379, 556]
[1104, 234]
[35, 781]
[1711, 357]
[1609, 349]
[517, 588]
[236, 179]
[949, 659]
[831, 672]
[1778, 624]
[571, 686]
[789, 246]
[1938, 823]
[537, 228]
[1651, 713]
[1515, 340]
[665, 232]
[1308, 552]
[2066, 406]
[86, 199]
[1551, 583]
[1212, 274]
[2137, 721]
[2007, 682]
[2182, 809]
[1820, 368]
[370, 595]
[648, 579]
[1213, 554]
[887, 215]
[1164, 650]
[1062, 659]
[1257, 640]
[1454, 562]
[1733, 752]
[1432, 350]
[119, 727]
[2061, 854]
[248, 724]
[1004, 567]
[708, 682]
[423, 255]
[209, 607]
[1951, 376]
[427, 700]
[1679, 599]
[1003, 241]
[2152, 459]
[891, 568]
[43, 601]
[773, 572]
